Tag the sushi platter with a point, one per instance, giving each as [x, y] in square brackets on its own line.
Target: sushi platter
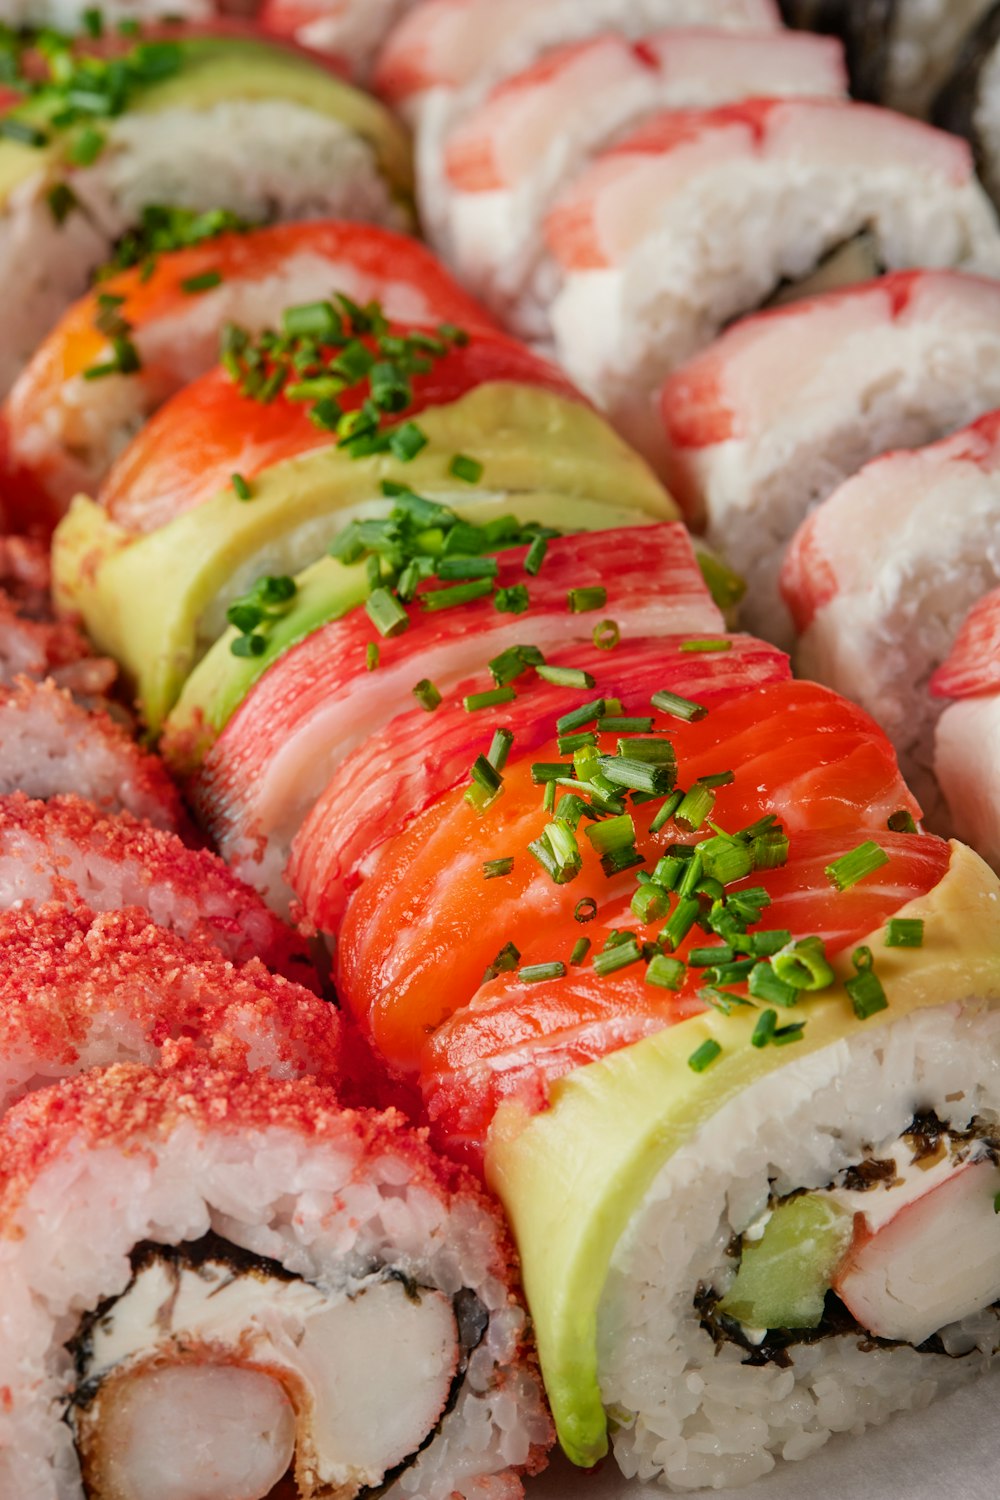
[499, 749]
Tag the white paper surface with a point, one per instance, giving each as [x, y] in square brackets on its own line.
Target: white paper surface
[949, 1451]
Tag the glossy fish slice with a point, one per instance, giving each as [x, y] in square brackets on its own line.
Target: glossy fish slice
[335, 843]
[425, 909]
[318, 702]
[514, 1039]
[61, 429]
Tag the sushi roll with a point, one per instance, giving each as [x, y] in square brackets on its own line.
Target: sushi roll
[967, 735]
[813, 194]
[875, 620]
[65, 850]
[63, 427]
[53, 745]
[72, 16]
[349, 31]
[900, 52]
[784, 406]
[82, 990]
[180, 134]
[253, 472]
[502, 164]
[335, 1305]
[317, 704]
[967, 103]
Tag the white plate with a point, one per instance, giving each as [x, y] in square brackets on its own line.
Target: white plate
[950, 1451]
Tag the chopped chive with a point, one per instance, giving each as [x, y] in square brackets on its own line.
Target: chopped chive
[770, 850]
[557, 852]
[511, 601]
[704, 1056]
[580, 716]
[508, 958]
[681, 920]
[865, 988]
[726, 859]
[905, 932]
[319, 320]
[513, 663]
[585, 910]
[500, 748]
[606, 635]
[624, 724]
[695, 807]
[901, 822]
[637, 775]
[462, 593]
[678, 707]
[22, 132]
[241, 487]
[580, 601]
[621, 956]
[650, 902]
[667, 973]
[371, 656]
[536, 555]
[549, 800]
[85, 149]
[705, 958]
[493, 869]
[668, 871]
[612, 834]
[248, 645]
[717, 778]
[691, 878]
[620, 860]
[735, 973]
[804, 965]
[543, 771]
[667, 811]
[580, 950]
[467, 469]
[573, 677]
[201, 283]
[475, 701]
[406, 441]
[850, 868]
[386, 613]
[537, 973]
[427, 695]
[786, 1034]
[61, 200]
[655, 752]
[718, 644]
[763, 1032]
[93, 22]
[453, 567]
[568, 744]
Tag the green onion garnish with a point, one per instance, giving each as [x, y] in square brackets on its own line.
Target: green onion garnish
[865, 988]
[850, 868]
[765, 1028]
[513, 662]
[427, 695]
[707, 645]
[571, 677]
[493, 869]
[682, 919]
[704, 1056]
[678, 707]
[695, 807]
[580, 950]
[508, 958]
[543, 771]
[612, 834]
[23, 133]
[625, 724]
[557, 852]
[537, 973]
[372, 654]
[467, 469]
[905, 932]
[650, 902]
[637, 775]
[667, 811]
[667, 973]
[386, 613]
[462, 593]
[513, 600]
[406, 441]
[61, 200]
[500, 748]
[606, 635]
[621, 956]
[786, 1034]
[566, 723]
[568, 744]
[318, 320]
[655, 752]
[579, 601]
[901, 822]
[585, 910]
[536, 555]
[803, 965]
[475, 701]
[458, 567]
[240, 487]
[726, 859]
[202, 283]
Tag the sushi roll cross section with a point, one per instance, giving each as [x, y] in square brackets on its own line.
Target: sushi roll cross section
[967, 735]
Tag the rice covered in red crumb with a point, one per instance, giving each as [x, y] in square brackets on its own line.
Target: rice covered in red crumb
[131, 1108]
[74, 982]
[76, 749]
[49, 648]
[191, 891]
[26, 575]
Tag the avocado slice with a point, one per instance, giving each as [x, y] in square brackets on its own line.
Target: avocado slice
[216, 69]
[572, 1177]
[784, 1276]
[157, 602]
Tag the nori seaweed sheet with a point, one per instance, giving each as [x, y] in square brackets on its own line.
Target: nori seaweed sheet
[955, 106]
[864, 27]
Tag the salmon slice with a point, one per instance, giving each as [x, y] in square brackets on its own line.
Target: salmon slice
[335, 842]
[318, 703]
[514, 1039]
[425, 910]
[210, 430]
[61, 430]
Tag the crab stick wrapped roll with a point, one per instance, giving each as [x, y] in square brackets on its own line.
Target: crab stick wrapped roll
[63, 427]
[238, 480]
[899, 54]
[350, 32]
[967, 736]
[298, 1293]
[812, 193]
[81, 990]
[318, 702]
[878, 583]
[65, 850]
[784, 406]
[504, 162]
[173, 133]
